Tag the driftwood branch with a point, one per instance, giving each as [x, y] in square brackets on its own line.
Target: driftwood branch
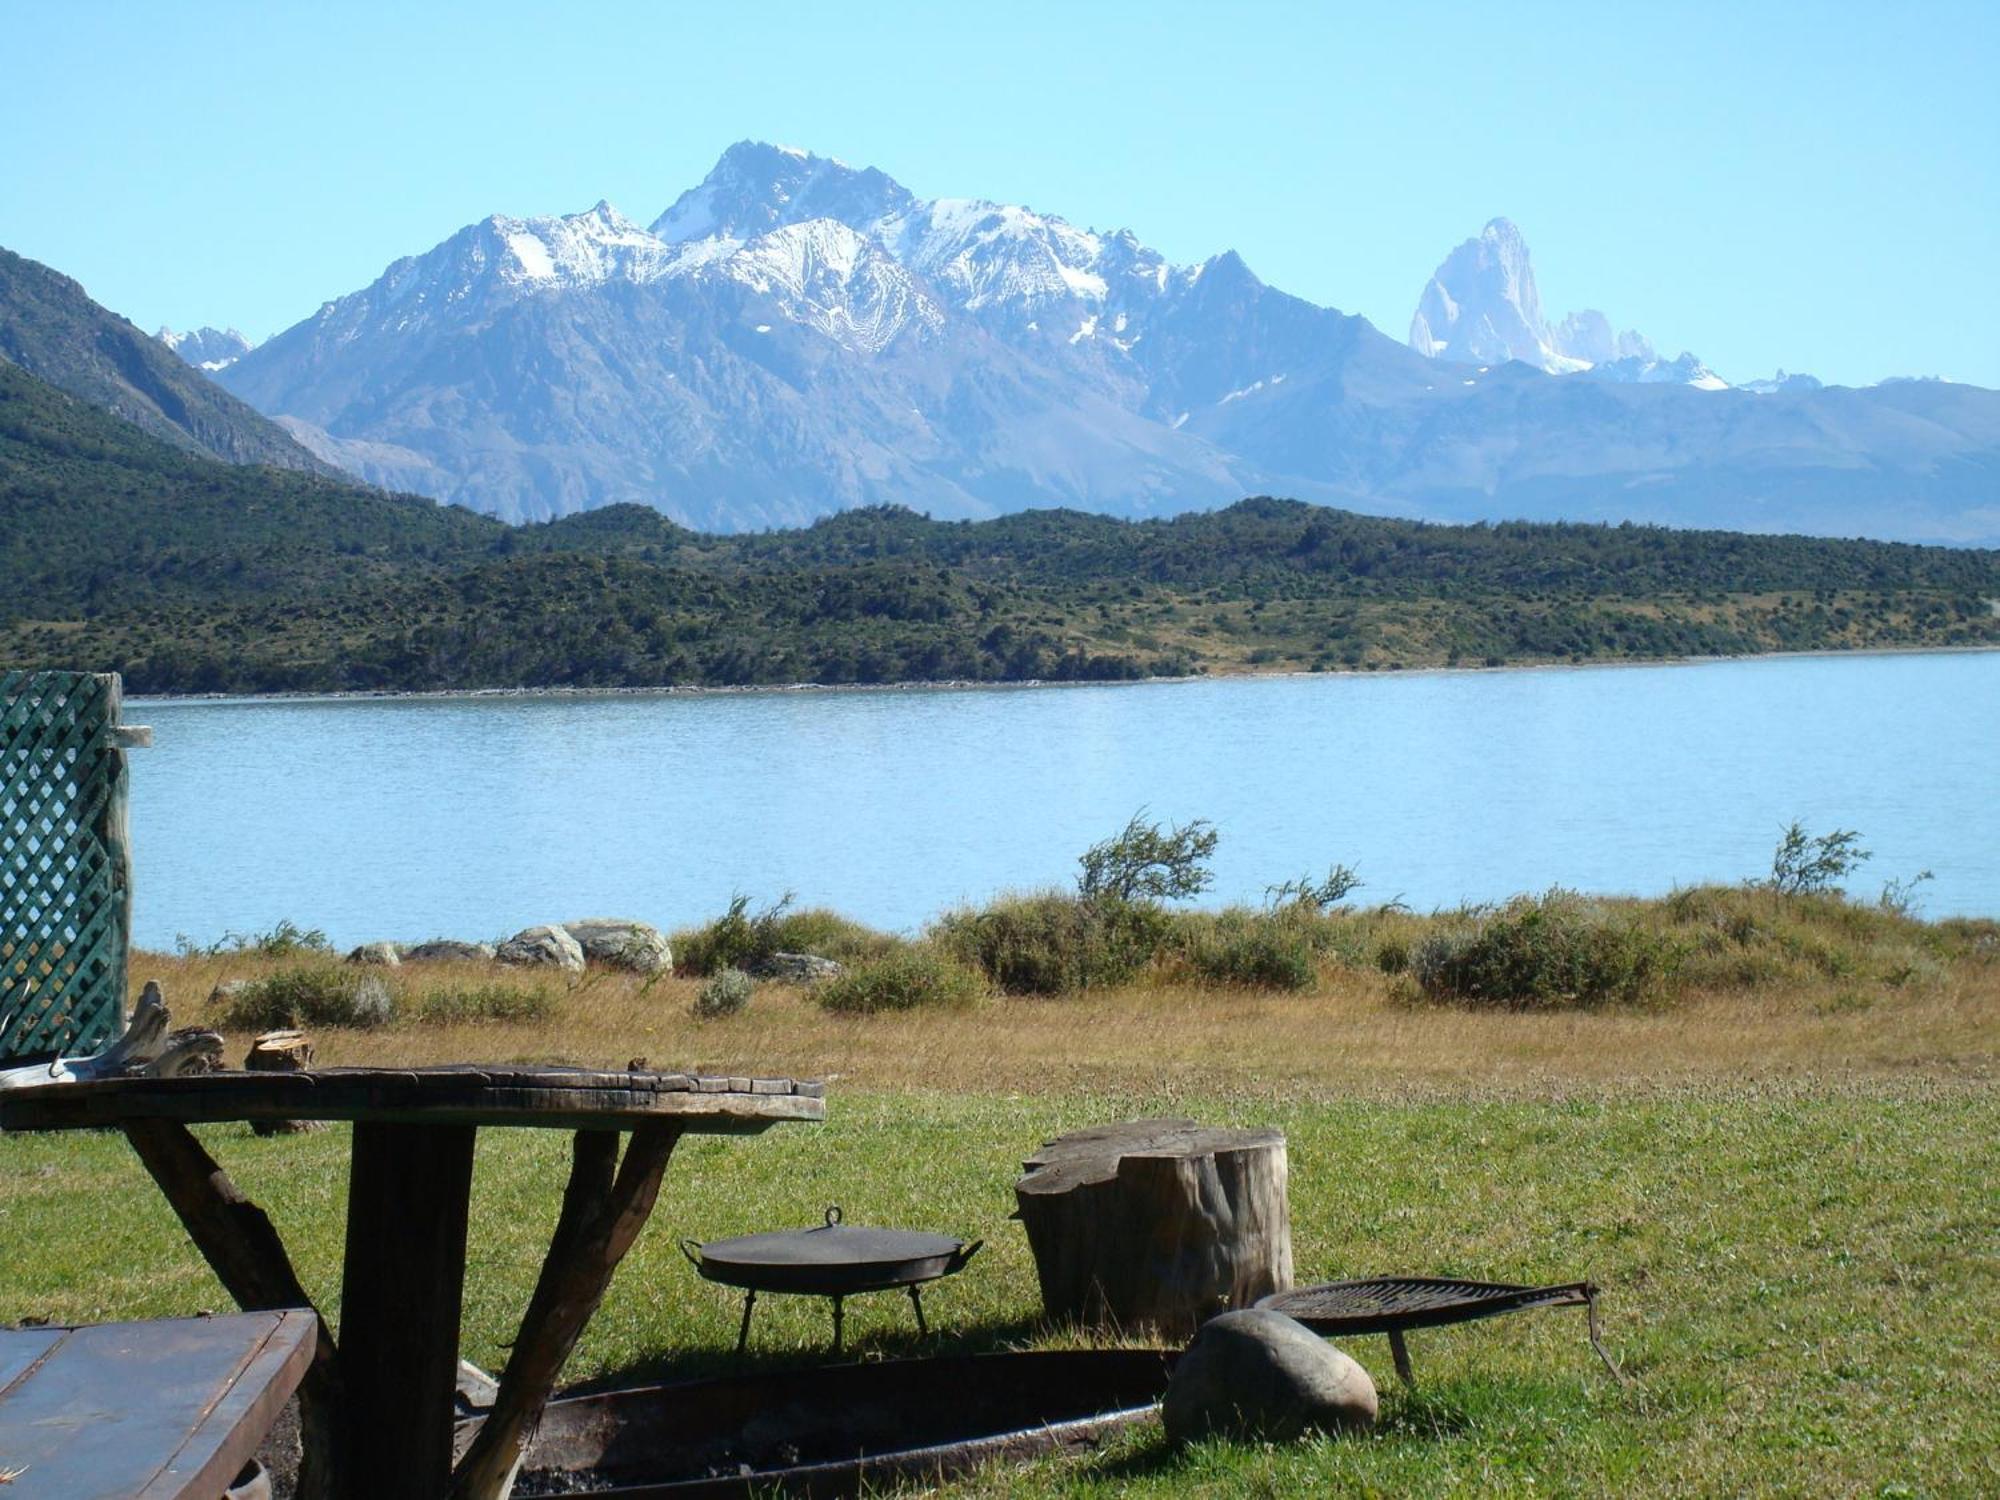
[145, 1050]
[236, 1238]
[601, 1216]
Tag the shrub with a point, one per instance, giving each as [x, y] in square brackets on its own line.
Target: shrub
[445, 1005]
[1053, 943]
[739, 939]
[286, 940]
[1259, 950]
[1534, 952]
[319, 995]
[1802, 864]
[1149, 863]
[726, 993]
[1341, 882]
[910, 979]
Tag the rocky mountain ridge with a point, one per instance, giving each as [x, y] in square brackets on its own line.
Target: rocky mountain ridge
[795, 336]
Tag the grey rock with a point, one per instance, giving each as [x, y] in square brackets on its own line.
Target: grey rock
[1257, 1374]
[448, 950]
[549, 945]
[799, 968]
[621, 943]
[227, 991]
[477, 1390]
[382, 955]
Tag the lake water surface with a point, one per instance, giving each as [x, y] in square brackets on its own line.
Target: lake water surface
[474, 817]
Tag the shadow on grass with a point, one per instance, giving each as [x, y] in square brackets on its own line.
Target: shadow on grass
[669, 1366]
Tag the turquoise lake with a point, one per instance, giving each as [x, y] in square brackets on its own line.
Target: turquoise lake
[473, 817]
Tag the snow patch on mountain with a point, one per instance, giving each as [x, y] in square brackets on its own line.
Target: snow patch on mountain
[827, 277]
[208, 349]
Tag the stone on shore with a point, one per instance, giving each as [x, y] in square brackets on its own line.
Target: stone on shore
[547, 946]
[1261, 1375]
[448, 950]
[621, 943]
[798, 968]
[382, 955]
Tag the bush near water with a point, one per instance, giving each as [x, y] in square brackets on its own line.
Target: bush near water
[1556, 950]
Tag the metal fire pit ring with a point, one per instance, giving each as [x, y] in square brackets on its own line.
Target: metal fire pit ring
[1393, 1304]
[831, 1260]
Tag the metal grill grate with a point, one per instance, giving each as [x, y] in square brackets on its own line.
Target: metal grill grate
[65, 873]
[1383, 1303]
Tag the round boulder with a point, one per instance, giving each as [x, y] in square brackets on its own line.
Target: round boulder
[382, 955]
[798, 968]
[1261, 1375]
[620, 943]
[448, 950]
[549, 946]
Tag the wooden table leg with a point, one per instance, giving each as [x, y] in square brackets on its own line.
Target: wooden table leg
[601, 1217]
[399, 1307]
[235, 1237]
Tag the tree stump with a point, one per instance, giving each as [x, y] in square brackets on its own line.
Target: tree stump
[1157, 1224]
[281, 1052]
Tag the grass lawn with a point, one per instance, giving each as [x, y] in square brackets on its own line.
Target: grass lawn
[1789, 1196]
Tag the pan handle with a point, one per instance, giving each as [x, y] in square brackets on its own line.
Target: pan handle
[959, 1261]
[692, 1250]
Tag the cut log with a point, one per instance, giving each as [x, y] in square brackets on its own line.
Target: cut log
[1157, 1225]
[281, 1052]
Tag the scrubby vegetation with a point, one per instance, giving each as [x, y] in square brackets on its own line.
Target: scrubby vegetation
[743, 939]
[314, 994]
[915, 977]
[726, 993]
[192, 576]
[1553, 949]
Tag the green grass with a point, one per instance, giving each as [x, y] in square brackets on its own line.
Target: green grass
[1800, 1278]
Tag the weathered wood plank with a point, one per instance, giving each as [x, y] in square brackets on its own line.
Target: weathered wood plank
[401, 1291]
[600, 1219]
[167, 1410]
[564, 1098]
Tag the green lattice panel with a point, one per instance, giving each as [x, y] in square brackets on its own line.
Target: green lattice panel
[63, 873]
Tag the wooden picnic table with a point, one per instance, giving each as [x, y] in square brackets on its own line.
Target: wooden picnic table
[376, 1411]
[144, 1411]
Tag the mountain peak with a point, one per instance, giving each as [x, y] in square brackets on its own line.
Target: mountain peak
[1482, 307]
[755, 187]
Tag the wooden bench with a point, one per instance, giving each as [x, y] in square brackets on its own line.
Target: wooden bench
[144, 1411]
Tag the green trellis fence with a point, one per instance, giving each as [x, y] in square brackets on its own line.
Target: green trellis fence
[65, 864]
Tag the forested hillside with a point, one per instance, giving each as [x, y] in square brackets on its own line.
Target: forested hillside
[120, 552]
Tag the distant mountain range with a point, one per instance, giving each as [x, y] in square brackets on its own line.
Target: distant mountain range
[51, 328]
[794, 336]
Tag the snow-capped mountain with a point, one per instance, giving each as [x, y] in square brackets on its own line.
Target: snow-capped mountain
[1481, 307]
[209, 349]
[794, 336]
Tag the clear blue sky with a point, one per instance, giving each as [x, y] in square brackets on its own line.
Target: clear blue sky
[1813, 185]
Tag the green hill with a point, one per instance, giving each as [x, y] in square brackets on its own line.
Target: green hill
[50, 327]
[121, 551]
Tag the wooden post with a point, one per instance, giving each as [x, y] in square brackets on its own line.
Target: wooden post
[1157, 1224]
[405, 1276]
[235, 1237]
[114, 833]
[600, 1219]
